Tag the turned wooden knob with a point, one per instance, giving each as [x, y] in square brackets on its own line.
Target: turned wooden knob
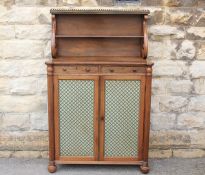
[102, 118]
[64, 69]
[111, 70]
[87, 69]
[134, 71]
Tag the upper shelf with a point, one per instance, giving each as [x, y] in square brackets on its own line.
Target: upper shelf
[99, 11]
[121, 33]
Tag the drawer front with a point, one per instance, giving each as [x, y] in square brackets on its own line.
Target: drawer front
[76, 69]
[120, 69]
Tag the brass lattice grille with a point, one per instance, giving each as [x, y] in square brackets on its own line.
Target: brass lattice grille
[122, 101]
[76, 113]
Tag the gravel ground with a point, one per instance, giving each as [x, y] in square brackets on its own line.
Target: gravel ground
[158, 167]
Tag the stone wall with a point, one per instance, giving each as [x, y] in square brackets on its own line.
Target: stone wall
[176, 46]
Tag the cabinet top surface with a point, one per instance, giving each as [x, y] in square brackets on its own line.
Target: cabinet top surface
[100, 60]
[99, 11]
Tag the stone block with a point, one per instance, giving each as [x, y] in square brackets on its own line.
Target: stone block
[181, 16]
[24, 141]
[39, 121]
[167, 103]
[162, 49]
[160, 154]
[179, 87]
[172, 3]
[26, 154]
[68, 2]
[5, 154]
[186, 50]
[35, 2]
[7, 32]
[197, 103]
[201, 51]
[169, 139]
[196, 33]
[156, 49]
[7, 3]
[163, 121]
[25, 2]
[191, 120]
[15, 122]
[173, 104]
[152, 3]
[19, 15]
[155, 104]
[23, 104]
[159, 86]
[21, 49]
[33, 32]
[170, 68]
[43, 15]
[180, 3]
[162, 86]
[47, 50]
[197, 69]
[157, 15]
[199, 86]
[158, 32]
[4, 88]
[201, 3]
[89, 2]
[200, 21]
[188, 153]
[47, 2]
[19, 68]
[108, 2]
[42, 85]
[23, 86]
[44, 154]
[198, 139]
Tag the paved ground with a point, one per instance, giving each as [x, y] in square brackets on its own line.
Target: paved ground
[158, 167]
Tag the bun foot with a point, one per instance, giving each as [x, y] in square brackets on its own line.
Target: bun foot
[52, 168]
[144, 168]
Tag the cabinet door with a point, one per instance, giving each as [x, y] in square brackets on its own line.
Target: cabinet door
[122, 113]
[76, 118]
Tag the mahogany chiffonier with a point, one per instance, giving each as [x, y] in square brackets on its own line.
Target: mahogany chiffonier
[99, 88]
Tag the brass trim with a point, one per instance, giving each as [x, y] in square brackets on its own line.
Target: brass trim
[98, 11]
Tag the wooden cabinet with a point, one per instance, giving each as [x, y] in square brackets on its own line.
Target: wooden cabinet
[99, 88]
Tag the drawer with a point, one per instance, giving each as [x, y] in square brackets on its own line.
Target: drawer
[120, 69]
[76, 69]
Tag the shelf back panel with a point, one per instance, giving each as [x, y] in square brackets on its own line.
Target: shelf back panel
[98, 47]
[100, 25]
